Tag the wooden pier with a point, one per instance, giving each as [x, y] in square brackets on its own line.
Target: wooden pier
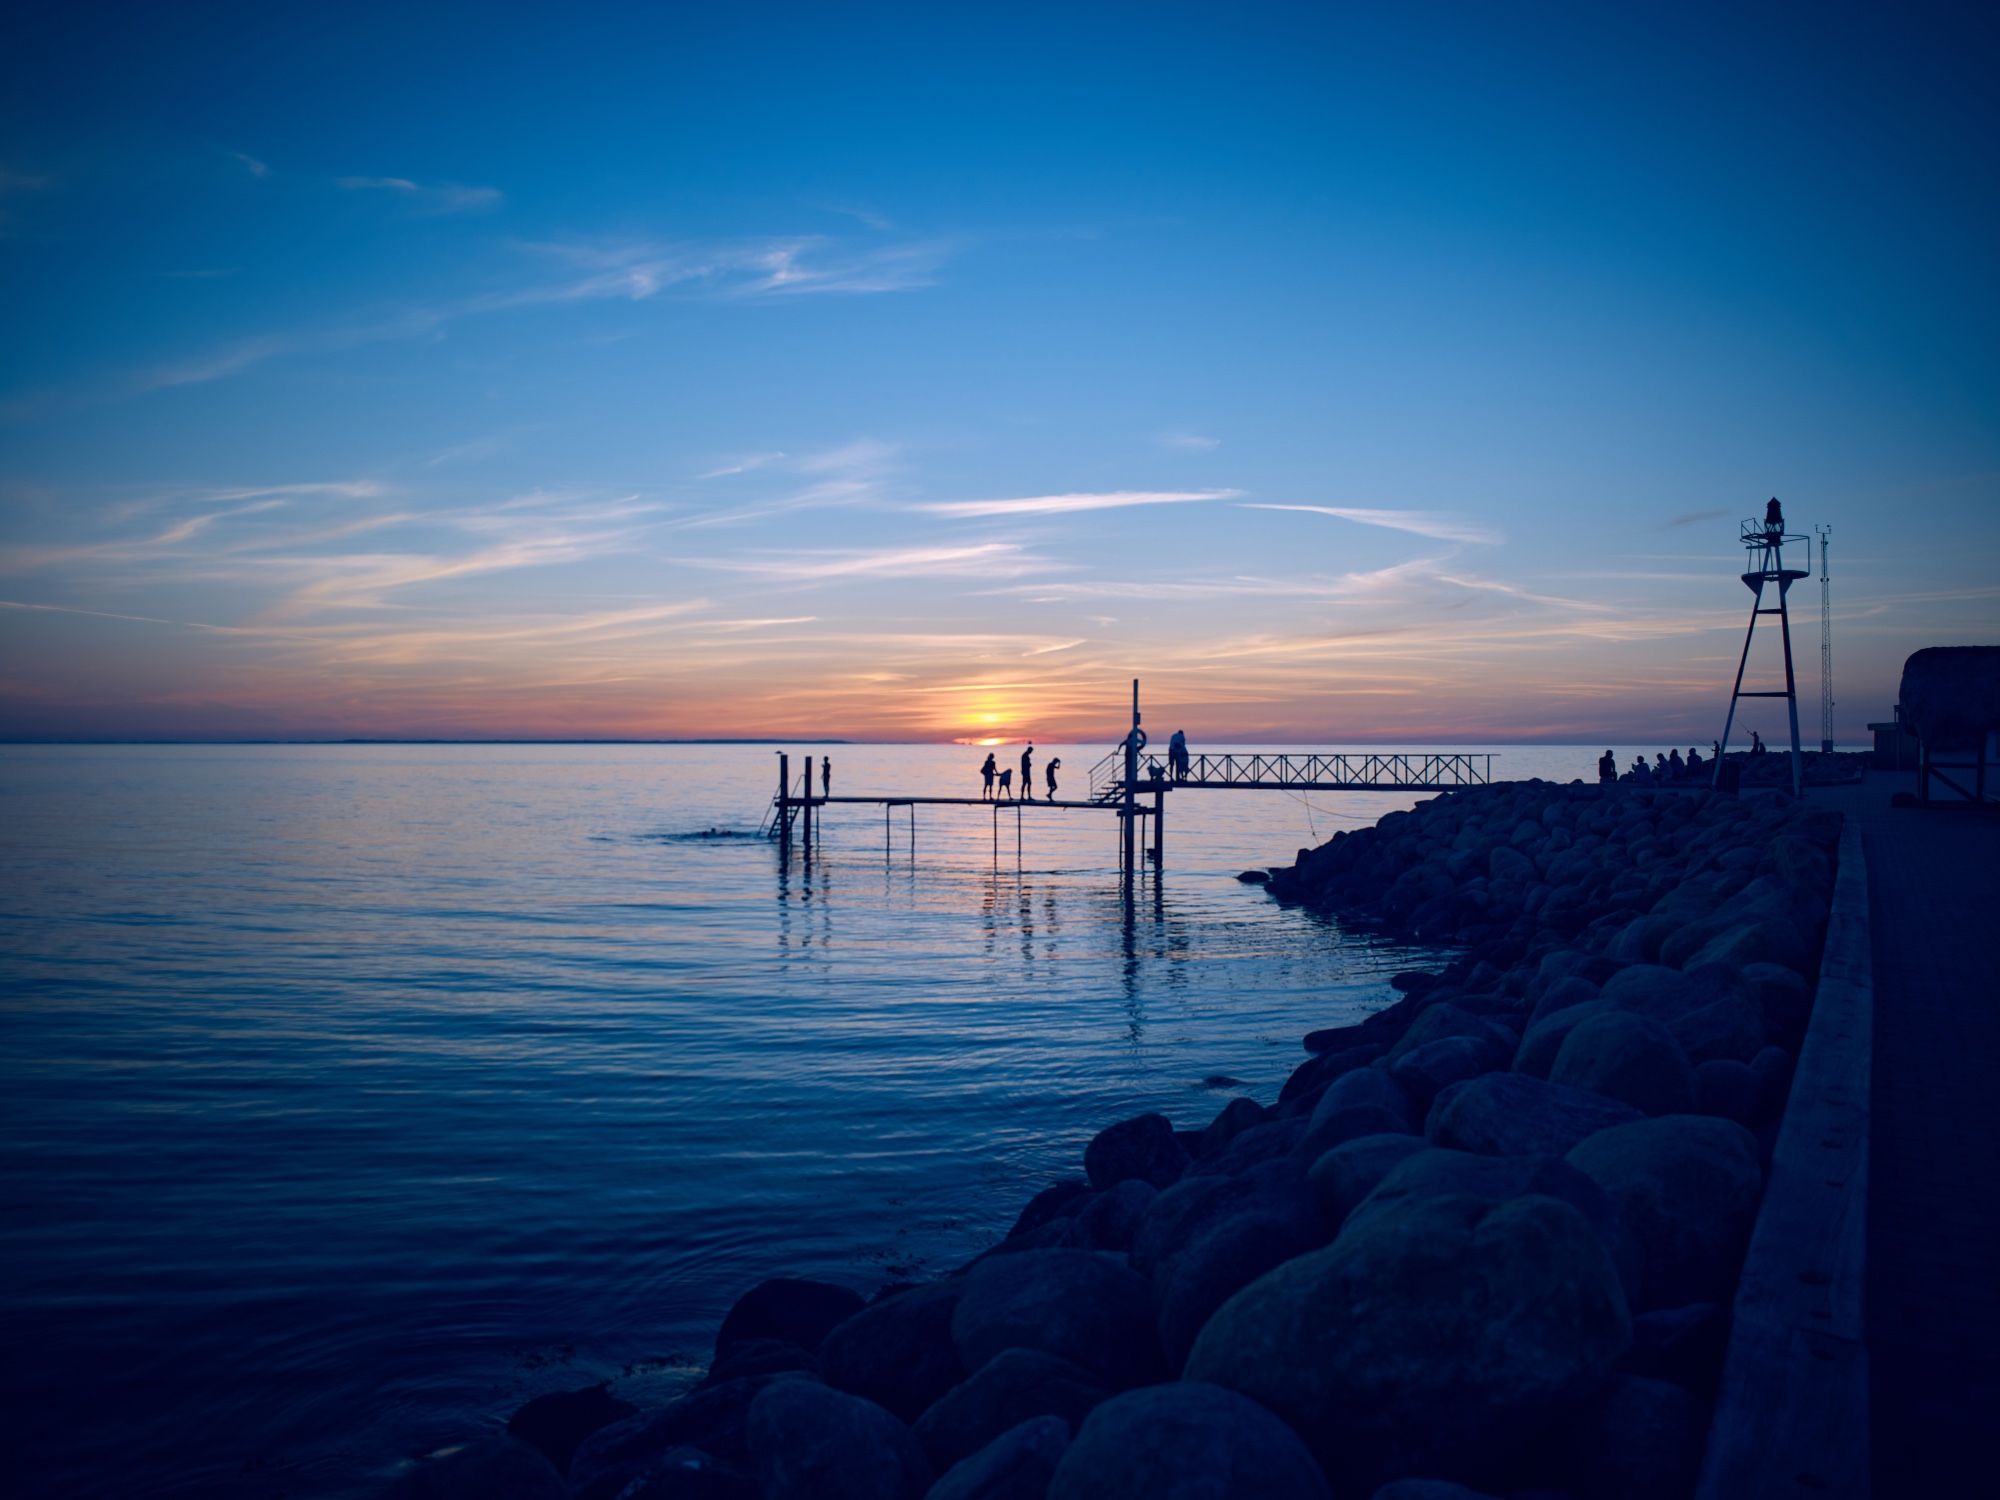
[1132, 785]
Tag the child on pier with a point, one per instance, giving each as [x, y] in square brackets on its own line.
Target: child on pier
[1049, 776]
[1007, 784]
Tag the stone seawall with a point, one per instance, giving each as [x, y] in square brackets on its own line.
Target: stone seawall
[1483, 1242]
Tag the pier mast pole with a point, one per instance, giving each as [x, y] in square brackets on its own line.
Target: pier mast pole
[1129, 812]
[784, 807]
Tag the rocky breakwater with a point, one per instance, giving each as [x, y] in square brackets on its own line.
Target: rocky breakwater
[1483, 1242]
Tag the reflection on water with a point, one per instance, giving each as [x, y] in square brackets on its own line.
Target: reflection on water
[352, 1094]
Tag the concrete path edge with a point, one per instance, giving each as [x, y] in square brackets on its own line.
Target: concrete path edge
[1791, 1417]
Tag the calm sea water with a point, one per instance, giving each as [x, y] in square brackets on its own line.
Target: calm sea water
[353, 1094]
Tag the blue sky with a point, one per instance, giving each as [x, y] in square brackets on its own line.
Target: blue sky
[910, 372]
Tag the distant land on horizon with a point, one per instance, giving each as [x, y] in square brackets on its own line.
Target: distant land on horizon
[799, 740]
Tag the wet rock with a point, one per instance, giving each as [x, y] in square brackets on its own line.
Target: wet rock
[1237, 1116]
[1561, 996]
[1145, 1148]
[1260, 1143]
[556, 1425]
[1642, 1441]
[1629, 1058]
[495, 1469]
[1318, 1071]
[1017, 1465]
[711, 1419]
[748, 1357]
[1725, 1087]
[1686, 1189]
[1008, 1390]
[1445, 1019]
[1058, 1200]
[1444, 1338]
[1185, 1441]
[1782, 996]
[1255, 877]
[1089, 1309]
[1638, 941]
[1348, 1173]
[1512, 1114]
[811, 1442]
[897, 1352]
[1113, 1217]
[1430, 1069]
[788, 1308]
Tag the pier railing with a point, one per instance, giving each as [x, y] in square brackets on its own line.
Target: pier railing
[1299, 771]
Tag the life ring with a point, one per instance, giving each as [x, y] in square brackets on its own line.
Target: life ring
[1138, 739]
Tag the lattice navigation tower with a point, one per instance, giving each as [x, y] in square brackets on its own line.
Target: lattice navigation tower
[1764, 541]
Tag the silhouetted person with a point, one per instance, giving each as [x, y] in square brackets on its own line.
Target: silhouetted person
[988, 771]
[1676, 767]
[1774, 516]
[1756, 740]
[1660, 764]
[1007, 785]
[1694, 762]
[1049, 776]
[1642, 773]
[826, 775]
[1607, 768]
[1028, 772]
[1177, 755]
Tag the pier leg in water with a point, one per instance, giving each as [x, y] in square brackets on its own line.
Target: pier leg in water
[1159, 830]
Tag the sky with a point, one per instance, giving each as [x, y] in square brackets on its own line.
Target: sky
[1347, 374]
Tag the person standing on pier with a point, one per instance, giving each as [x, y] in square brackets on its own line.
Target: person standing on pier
[826, 776]
[1049, 776]
[1028, 773]
[1177, 756]
[987, 773]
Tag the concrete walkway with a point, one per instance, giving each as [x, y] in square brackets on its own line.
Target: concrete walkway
[1933, 1277]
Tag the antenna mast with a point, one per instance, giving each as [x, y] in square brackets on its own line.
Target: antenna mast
[1825, 534]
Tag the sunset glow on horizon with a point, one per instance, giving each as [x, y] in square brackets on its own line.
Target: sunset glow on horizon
[704, 396]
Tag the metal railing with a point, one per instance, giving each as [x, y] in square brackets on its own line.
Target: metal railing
[1299, 771]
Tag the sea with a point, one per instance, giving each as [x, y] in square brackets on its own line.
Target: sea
[351, 1095]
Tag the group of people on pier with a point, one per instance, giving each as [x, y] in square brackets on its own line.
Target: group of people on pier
[1667, 768]
[990, 772]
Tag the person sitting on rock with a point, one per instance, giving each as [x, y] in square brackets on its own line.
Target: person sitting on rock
[1642, 774]
[1607, 768]
[1694, 762]
[1676, 767]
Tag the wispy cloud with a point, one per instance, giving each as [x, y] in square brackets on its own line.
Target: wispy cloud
[745, 465]
[1692, 518]
[1435, 524]
[1189, 442]
[985, 560]
[1051, 505]
[428, 198]
[250, 164]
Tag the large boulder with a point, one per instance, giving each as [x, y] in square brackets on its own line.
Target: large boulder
[1348, 1173]
[811, 1442]
[1088, 1308]
[1445, 1338]
[897, 1351]
[1237, 1116]
[1513, 1114]
[1772, 940]
[1113, 1217]
[1545, 1037]
[1627, 1057]
[496, 1469]
[1017, 1465]
[1366, 1101]
[1445, 1019]
[1428, 1489]
[1427, 1071]
[1015, 1386]
[1260, 1143]
[711, 1419]
[1686, 1189]
[1185, 1441]
[1655, 991]
[788, 1309]
[556, 1424]
[1269, 1215]
[1145, 1148]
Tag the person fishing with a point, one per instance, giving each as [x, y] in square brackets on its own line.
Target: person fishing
[1028, 772]
[1049, 776]
[987, 772]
